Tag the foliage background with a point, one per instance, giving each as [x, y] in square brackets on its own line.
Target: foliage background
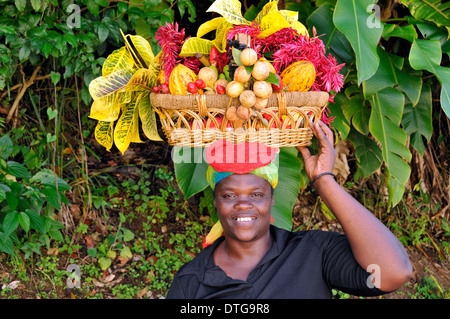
[391, 120]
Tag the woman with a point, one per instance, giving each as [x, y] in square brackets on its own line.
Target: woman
[254, 259]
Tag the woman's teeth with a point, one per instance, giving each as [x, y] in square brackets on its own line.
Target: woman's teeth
[244, 219]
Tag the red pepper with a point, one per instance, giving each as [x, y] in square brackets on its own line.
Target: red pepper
[213, 56]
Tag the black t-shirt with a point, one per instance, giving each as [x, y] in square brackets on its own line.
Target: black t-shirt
[298, 265]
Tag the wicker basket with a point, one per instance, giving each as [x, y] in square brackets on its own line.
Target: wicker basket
[198, 120]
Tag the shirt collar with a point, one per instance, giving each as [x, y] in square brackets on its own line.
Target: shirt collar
[215, 276]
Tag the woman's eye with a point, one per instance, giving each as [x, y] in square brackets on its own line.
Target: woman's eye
[257, 195]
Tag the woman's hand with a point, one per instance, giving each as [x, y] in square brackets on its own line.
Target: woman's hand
[324, 161]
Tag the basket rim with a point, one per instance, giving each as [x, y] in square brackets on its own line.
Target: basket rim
[190, 102]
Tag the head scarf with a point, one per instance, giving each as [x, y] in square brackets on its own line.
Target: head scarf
[225, 158]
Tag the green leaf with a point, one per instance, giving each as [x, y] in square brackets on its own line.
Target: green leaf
[6, 244]
[387, 110]
[367, 152]
[431, 10]
[6, 147]
[17, 170]
[273, 79]
[286, 192]
[104, 263]
[356, 23]
[51, 195]
[51, 113]
[190, 169]
[127, 234]
[24, 221]
[417, 120]
[36, 4]
[36, 221]
[427, 55]
[335, 42]
[125, 252]
[20, 4]
[357, 113]
[10, 223]
[103, 32]
[55, 234]
[55, 76]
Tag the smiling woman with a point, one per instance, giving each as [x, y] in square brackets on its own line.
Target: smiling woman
[254, 259]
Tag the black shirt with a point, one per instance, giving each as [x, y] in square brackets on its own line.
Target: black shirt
[305, 264]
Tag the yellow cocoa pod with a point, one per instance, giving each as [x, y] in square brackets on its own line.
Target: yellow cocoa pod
[299, 76]
[179, 78]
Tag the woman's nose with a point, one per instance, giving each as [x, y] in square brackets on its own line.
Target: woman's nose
[244, 204]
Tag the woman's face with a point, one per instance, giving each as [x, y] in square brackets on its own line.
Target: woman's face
[244, 205]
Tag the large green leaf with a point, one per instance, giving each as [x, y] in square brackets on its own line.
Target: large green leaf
[356, 112]
[353, 19]
[429, 10]
[335, 42]
[427, 55]
[286, 192]
[190, 169]
[417, 120]
[387, 111]
[391, 71]
[367, 152]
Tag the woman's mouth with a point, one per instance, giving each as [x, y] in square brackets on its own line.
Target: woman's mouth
[244, 220]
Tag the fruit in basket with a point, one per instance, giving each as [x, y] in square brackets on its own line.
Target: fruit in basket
[200, 84]
[241, 74]
[165, 88]
[208, 75]
[260, 71]
[248, 57]
[243, 112]
[267, 62]
[221, 82]
[260, 103]
[247, 98]
[192, 88]
[262, 89]
[234, 88]
[231, 113]
[180, 78]
[299, 76]
[220, 89]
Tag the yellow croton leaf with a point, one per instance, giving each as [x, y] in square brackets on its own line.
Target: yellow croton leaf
[119, 59]
[106, 85]
[104, 134]
[220, 41]
[196, 45]
[125, 129]
[290, 15]
[299, 27]
[143, 79]
[106, 109]
[140, 49]
[209, 26]
[148, 119]
[230, 10]
[271, 23]
[270, 7]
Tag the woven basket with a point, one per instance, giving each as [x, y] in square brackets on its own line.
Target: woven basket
[198, 120]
